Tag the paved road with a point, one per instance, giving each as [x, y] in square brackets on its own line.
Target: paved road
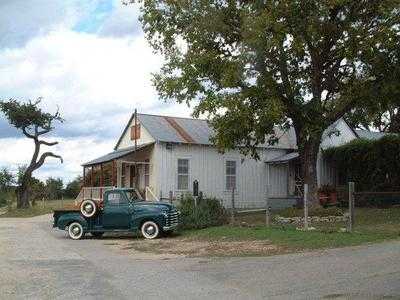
[37, 262]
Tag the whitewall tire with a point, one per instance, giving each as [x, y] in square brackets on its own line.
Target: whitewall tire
[75, 231]
[150, 230]
[88, 208]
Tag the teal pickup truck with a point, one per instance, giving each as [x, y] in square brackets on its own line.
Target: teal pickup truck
[121, 210]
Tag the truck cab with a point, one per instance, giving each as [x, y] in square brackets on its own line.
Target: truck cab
[121, 210]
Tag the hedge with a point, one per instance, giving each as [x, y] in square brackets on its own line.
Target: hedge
[373, 165]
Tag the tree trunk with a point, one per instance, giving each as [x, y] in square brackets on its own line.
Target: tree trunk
[23, 196]
[308, 152]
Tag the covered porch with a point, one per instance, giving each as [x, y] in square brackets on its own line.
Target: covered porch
[129, 167]
[284, 175]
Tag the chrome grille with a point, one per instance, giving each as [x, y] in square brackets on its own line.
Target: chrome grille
[172, 219]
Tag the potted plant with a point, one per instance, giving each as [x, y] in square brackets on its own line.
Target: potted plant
[327, 195]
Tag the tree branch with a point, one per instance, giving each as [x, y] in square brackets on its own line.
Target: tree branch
[27, 134]
[48, 143]
[43, 158]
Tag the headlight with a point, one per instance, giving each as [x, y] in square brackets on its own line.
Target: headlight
[165, 214]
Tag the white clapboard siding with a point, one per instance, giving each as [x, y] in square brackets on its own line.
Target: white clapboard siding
[208, 167]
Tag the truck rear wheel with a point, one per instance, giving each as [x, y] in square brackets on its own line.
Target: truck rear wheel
[150, 230]
[75, 231]
[88, 208]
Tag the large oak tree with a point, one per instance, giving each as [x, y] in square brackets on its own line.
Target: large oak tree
[252, 65]
[33, 123]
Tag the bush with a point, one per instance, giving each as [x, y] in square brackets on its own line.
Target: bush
[312, 212]
[372, 165]
[3, 200]
[209, 212]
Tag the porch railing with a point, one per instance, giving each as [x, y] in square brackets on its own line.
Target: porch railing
[149, 195]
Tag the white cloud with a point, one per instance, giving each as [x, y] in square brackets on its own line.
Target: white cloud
[123, 21]
[96, 79]
[96, 82]
[75, 151]
[22, 20]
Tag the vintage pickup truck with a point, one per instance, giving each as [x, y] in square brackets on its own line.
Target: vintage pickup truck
[121, 210]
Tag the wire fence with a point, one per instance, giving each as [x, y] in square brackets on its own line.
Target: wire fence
[351, 209]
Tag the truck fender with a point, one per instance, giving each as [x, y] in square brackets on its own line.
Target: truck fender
[139, 220]
[66, 219]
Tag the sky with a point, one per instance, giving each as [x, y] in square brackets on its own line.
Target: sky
[90, 59]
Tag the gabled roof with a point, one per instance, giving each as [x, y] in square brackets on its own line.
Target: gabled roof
[115, 154]
[192, 131]
[370, 135]
[283, 159]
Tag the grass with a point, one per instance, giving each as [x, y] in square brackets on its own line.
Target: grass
[254, 239]
[371, 225]
[39, 209]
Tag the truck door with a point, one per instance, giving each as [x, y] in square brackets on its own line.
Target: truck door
[117, 211]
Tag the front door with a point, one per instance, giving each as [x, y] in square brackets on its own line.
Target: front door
[117, 211]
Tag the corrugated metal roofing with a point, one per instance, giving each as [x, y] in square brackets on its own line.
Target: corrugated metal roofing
[284, 158]
[370, 135]
[115, 154]
[199, 130]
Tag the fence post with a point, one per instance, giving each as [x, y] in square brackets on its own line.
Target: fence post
[233, 206]
[267, 211]
[351, 207]
[170, 197]
[306, 207]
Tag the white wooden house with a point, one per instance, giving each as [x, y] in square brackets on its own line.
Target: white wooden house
[162, 155]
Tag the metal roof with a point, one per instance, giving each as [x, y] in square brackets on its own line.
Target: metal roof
[115, 154]
[199, 131]
[370, 135]
[283, 159]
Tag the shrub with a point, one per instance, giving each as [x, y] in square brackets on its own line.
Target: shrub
[372, 165]
[209, 212]
[312, 212]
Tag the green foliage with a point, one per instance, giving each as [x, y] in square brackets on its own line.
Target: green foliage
[54, 188]
[327, 188]
[249, 65]
[73, 188]
[312, 212]
[28, 115]
[6, 179]
[372, 165]
[6, 187]
[209, 212]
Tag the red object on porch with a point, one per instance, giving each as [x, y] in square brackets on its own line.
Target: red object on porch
[327, 199]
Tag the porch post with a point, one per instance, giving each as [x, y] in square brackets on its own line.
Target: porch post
[84, 177]
[113, 173]
[101, 175]
[91, 177]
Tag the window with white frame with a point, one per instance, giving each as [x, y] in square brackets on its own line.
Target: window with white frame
[183, 174]
[230, 173]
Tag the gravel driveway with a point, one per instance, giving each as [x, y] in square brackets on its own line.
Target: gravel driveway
[37, 262]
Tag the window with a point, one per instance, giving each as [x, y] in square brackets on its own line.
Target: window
[183, 174]
[135, 132]
[230, 172]
[114, 198]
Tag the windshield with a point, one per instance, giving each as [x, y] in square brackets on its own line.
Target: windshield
[133, 196]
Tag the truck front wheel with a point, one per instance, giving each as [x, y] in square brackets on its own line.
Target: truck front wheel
[75, 231]
[150, 230]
